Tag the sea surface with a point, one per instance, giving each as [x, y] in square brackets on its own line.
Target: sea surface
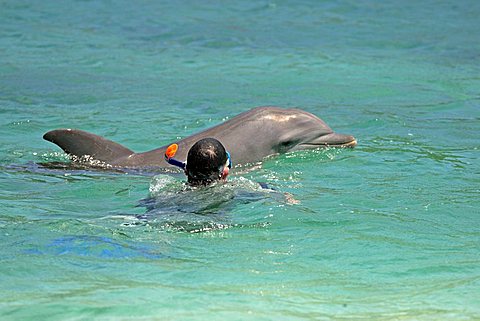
[389, 230]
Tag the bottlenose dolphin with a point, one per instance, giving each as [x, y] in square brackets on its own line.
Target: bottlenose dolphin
[249, 137]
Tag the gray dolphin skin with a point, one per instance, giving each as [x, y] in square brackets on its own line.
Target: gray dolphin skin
[249, 137]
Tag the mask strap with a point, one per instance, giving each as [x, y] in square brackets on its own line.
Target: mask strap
[229, 160]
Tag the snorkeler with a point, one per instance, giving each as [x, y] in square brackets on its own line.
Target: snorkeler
[207, 161]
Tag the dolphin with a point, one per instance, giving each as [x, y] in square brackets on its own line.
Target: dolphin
[249, 137]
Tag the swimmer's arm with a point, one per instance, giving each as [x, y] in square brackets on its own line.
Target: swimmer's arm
[288, 196]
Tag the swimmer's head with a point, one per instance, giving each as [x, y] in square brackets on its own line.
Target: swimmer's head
[207, 162]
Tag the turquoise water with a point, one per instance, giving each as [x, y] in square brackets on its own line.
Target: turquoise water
[386, 231]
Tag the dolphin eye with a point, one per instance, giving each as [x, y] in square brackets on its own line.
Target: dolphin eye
[285, 145]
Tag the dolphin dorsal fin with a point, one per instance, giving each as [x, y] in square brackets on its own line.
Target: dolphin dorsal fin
[81, 143]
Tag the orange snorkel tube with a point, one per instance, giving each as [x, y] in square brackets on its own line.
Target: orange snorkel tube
[170, 153]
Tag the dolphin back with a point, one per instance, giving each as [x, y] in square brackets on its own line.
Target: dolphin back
[80, 144]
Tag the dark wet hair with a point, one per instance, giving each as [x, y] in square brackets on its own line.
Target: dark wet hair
[205, 161]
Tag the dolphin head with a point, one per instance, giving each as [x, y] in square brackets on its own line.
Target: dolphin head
[296, 129]
[264, 131]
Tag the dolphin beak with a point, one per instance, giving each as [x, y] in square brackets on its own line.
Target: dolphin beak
[333, 140]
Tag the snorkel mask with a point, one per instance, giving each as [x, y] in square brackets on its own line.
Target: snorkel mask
[172, 150]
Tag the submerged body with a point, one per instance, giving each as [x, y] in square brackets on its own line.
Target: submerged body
[250, 137]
